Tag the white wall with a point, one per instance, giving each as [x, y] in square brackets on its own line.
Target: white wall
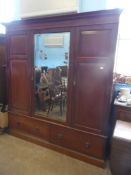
[29, 8]
[92, 5]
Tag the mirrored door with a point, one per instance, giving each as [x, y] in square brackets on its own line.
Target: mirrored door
[51, 64]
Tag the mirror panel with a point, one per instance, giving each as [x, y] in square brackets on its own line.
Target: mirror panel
[51, 64]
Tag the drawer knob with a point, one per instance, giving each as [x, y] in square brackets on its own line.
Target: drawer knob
[37, 130]
[60, 136]
[18, 124]
[87, 145]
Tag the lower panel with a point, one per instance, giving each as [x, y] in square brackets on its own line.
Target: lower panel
[82, 142]
[50, 135]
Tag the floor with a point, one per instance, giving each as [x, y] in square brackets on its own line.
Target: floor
[19, 157]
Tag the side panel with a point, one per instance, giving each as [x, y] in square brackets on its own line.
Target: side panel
[93, 81]
[19, 73]
[19, 86]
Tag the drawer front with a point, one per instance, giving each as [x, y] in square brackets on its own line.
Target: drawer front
[16, 123]
[78, 141]
[122, 113]
[29, 126]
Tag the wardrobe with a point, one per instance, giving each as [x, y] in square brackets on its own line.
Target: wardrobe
[69, 113]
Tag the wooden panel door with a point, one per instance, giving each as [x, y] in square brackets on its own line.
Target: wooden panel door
[20, 71]
[19, 44]
[19, 86]
[94, 65]
[90, 95]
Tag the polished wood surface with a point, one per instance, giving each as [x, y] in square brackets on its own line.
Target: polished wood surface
[19, 73]
[73, 20]
[19, 89]
[60, 138]
[89, 89]
[31, 126]
[94, 67]
[122, 113]
[83, 157]
[121, 149]
[78, 141]
[89, 39]
[3, 83]
[93, 39]
[19, 44]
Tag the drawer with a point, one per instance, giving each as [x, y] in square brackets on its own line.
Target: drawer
[29, 126]
[123, 113]
[15, 122]
[78, 141]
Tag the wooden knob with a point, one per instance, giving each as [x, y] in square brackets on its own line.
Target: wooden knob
[60, 135]
[37, 130]
[87, 145]
[18, 124]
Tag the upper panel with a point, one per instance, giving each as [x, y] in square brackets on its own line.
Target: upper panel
[19, 44]
[93, 43]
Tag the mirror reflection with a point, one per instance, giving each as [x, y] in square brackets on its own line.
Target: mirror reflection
[51, 61]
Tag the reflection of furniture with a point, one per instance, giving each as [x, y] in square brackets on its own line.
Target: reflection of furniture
[44, 97]
[64, 70]
[37, 75]
[120, 160]
[58, 97]
[93, 38]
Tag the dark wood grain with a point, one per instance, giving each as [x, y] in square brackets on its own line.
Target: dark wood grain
[3, 80]
[90, 96]
[83, 157]
[121, 149]
[122, 113]
[44, 133]
[93, 39]
[19, 86]
[78, 141]
[31, 126]
[93, 42]
[19, 44]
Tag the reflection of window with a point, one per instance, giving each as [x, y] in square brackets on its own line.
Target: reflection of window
[54, 41]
